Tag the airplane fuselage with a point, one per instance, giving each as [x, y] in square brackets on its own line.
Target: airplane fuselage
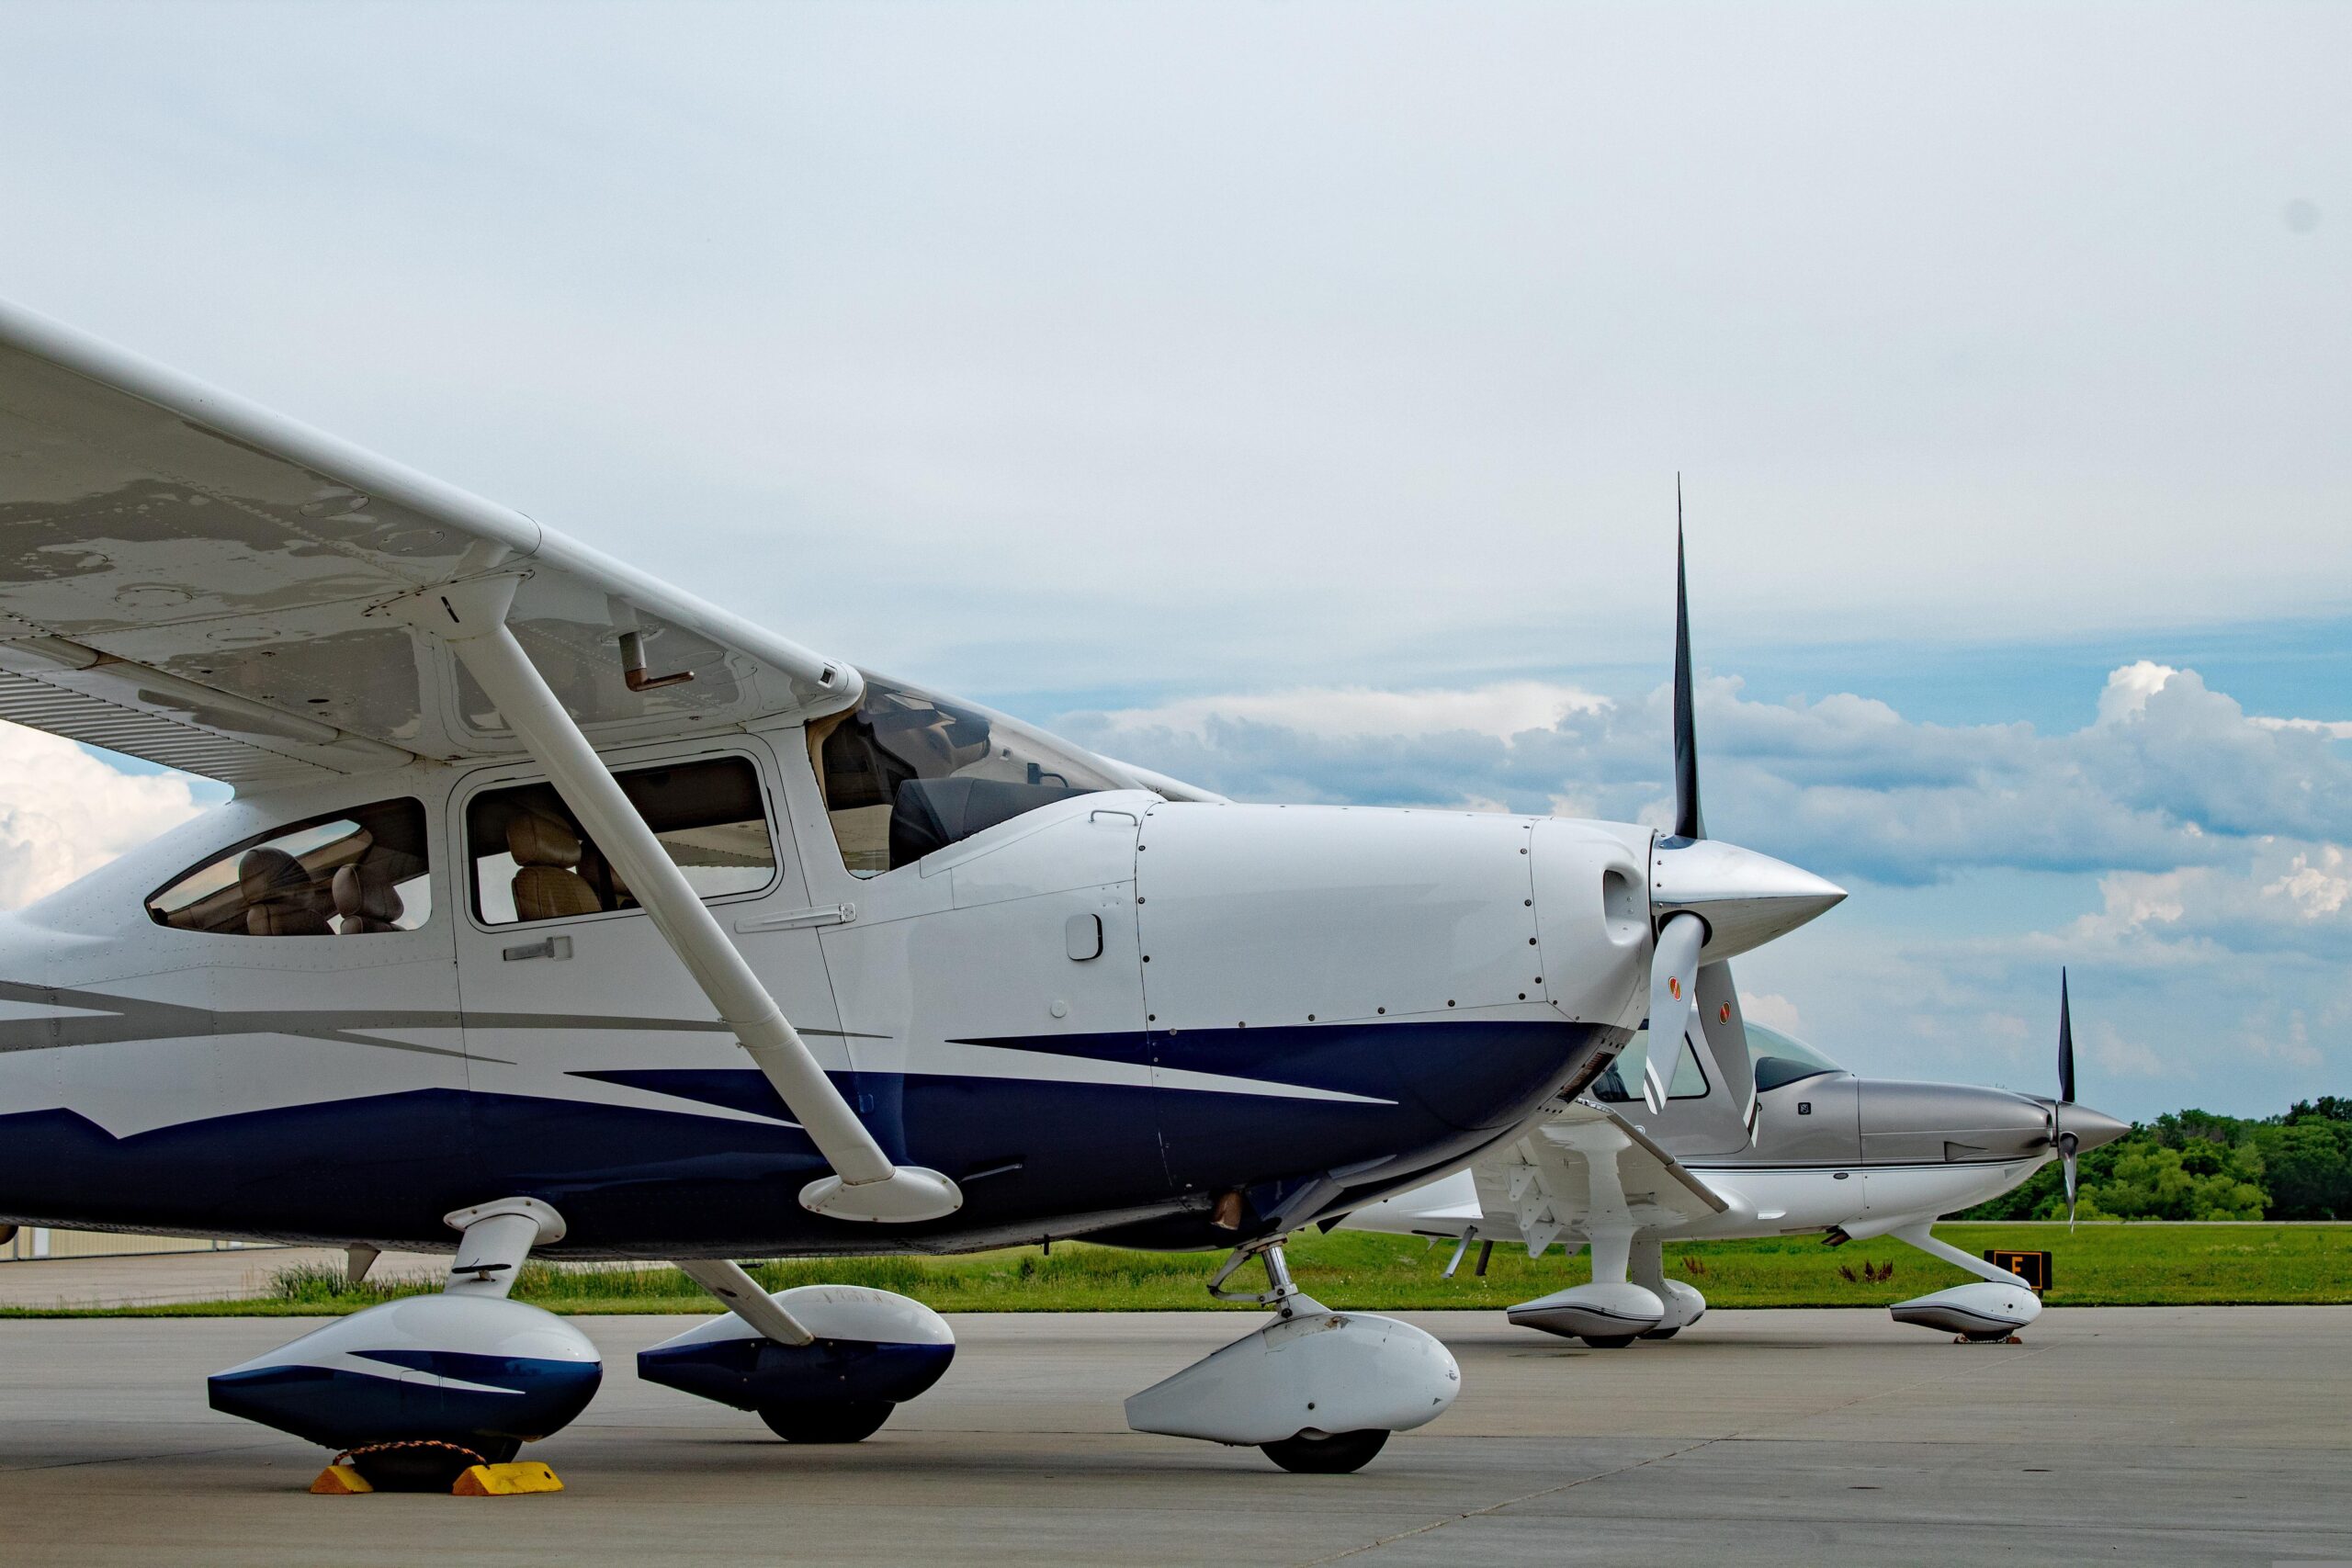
[1097, 1017]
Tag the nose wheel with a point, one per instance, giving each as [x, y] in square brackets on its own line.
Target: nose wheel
[1316, 1391]
[1342, 1453]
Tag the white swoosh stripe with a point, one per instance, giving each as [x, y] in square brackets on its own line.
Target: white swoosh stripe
[968, 1059]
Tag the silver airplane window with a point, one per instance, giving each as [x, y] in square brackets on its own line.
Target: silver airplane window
[1781, 1060]
[906, 772]
[1621, 1080]
[357, 873]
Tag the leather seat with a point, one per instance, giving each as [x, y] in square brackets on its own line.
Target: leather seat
[546, 885]
[280, 898]
[364, 901]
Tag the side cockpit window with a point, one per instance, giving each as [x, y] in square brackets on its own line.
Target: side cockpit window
[905, 773]
[531, 861]
[359, 873]
[1781, 1060]
[1621, 1080]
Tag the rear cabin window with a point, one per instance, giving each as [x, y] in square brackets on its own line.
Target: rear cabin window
[906, 773]
[361, 873]
[531, 861]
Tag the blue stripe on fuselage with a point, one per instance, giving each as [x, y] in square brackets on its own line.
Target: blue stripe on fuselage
[640, 1180]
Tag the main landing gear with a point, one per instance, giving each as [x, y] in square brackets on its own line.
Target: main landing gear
[1630, 1297]
[1317, 1392]
[818, 1364]
[438, 1392]
[432, 1393]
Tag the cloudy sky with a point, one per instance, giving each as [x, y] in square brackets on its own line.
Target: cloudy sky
[1290, 398]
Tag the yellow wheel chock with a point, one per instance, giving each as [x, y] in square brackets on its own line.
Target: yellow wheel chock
[514, 1479]
[342, 1478]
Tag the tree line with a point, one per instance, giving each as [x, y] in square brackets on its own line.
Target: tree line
[2193, 1165]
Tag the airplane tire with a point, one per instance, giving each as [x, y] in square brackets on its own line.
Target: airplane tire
[848, 1422]
[1663, 1332]
[1608, 1341]
[430, 1465]
[1338, 1454]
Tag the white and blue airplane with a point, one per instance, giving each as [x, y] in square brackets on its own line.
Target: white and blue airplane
[684, 942]
[1825, 1153]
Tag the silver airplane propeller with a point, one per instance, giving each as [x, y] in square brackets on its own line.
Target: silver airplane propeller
[1711, 901]
[2068, 1144]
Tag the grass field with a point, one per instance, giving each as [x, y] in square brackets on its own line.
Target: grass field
[2098, 1265]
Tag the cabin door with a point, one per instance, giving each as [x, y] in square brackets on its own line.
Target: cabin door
[598, 1068]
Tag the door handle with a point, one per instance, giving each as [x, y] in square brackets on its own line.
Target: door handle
[552, 947]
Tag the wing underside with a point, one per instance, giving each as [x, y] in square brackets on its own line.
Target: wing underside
[1546, 1186]
[193, 581]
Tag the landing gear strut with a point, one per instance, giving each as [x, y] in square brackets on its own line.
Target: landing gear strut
[1317, 1392]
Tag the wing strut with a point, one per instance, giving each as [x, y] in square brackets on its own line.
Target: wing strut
[472, 618]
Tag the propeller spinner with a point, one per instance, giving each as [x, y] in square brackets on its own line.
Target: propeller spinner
[1710, 901]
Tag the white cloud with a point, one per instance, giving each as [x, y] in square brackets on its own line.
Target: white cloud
[1771, 1010]
[2290, 1045]
[2170, 776]
[2128, 690]
[63, 813]
[1502, 711]
[2334, 729]
[2316, 890]
[2124, 1059]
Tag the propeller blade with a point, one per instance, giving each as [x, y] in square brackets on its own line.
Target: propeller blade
[2065, 1042]
[1723, 1032]
[1674, 995]
[2067, 1142]
[1687, 821]
[2066, 1156]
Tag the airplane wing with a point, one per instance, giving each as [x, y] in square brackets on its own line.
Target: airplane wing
[192, 579]
[1546, 1185]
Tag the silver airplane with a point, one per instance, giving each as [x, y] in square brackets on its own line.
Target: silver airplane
[1824, 1150]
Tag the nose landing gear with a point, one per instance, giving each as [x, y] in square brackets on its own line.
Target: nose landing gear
[1317, 1392]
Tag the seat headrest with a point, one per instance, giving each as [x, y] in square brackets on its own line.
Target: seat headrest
[365, 892]
[541, 841]
[268, 873]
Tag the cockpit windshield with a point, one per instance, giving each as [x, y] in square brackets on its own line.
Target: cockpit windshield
[906, 773]
[1781, 1060]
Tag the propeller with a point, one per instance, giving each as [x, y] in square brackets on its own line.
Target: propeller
[2068, 1144]
[1711, 899]
[1674, 964]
